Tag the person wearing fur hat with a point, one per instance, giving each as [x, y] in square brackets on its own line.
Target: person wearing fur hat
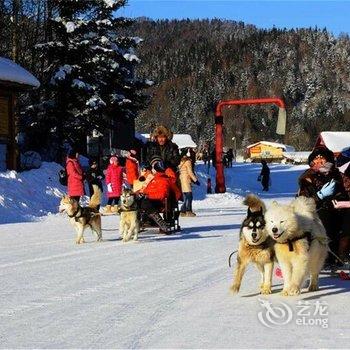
[187, 177]
[323, 182]
[161, 146]
[75, 175]
[114, 182]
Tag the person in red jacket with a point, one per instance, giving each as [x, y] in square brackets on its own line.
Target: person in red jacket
[131, 167]
[158, 188]
[154, 194]
[114, 182]
[75, 175]
[176, 193]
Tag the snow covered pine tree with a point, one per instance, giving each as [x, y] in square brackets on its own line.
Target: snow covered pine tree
[91, 72]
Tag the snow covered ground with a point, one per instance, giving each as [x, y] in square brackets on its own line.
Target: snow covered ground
[162, 292]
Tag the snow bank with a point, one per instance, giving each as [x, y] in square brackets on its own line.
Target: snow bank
[31, 194]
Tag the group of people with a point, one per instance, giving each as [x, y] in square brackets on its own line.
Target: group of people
[166, 174]
[328, 182]
[227, 157]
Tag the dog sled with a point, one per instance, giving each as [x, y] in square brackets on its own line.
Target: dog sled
[169, 212]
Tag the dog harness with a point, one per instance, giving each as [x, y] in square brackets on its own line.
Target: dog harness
[132, 208]
[264, 245]
[84, 213]
[306, 235]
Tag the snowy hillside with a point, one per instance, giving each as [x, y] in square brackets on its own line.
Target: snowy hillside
[162, 292]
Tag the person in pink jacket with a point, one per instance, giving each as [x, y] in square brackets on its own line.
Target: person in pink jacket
[114, 182]
[75, 176]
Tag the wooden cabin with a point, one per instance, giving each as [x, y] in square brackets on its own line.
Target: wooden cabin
[271, 151]
[14, 79]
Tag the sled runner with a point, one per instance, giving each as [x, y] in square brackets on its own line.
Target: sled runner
[170, 214]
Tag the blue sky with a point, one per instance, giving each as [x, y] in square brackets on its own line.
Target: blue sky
[334, 15]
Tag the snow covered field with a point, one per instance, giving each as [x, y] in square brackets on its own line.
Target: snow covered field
[162, 292]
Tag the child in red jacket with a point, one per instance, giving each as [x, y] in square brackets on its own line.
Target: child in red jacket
[114, 182]
[75, 176]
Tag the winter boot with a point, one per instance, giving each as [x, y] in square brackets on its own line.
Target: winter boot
[160, 222]
[107, 209]
[190, 214]
[182, 213]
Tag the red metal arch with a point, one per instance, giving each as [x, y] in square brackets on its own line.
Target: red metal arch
[219, 121]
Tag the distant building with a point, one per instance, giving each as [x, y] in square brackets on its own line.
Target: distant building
[13, 79]
[267, 150]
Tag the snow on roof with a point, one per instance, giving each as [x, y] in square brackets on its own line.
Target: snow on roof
[12, 72]
[336, 141]
[285, 148]
[182, 140]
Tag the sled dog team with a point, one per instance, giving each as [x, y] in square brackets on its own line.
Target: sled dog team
[85, 217]
[291, 234]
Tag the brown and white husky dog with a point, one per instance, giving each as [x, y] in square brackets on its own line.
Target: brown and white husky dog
[129, 226]
[83, 217]
[255, 246]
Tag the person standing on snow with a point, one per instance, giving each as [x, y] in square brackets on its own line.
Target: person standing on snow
[75, 175]
[186, 178]
[94, 176]
[265, 175]
[114, 182]
[230, 157]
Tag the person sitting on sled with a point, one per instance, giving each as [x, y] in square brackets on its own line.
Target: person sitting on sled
[153, 194]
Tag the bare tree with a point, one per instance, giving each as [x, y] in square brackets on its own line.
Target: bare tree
[16, 5]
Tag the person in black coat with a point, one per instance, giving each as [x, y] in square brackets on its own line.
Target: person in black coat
[161, 146]
[324, 183]
[265, 175]
[230, 157]
[94, 176]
